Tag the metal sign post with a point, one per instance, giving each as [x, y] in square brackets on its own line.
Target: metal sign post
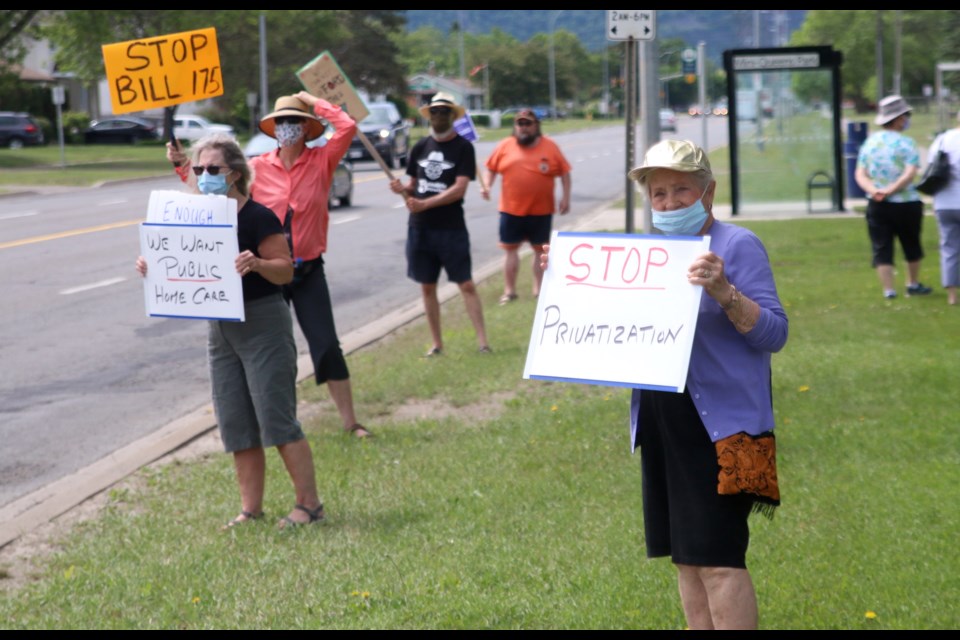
[629, 26]
[59, 97]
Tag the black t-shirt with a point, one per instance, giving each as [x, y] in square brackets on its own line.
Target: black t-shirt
[254, 223]
[435, 166]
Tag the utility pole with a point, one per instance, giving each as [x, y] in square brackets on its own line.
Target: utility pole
[897, 51]
[264, 98]
[705, 108]
[552, 63]
[463, 62]
[880, 90]
[630, 109]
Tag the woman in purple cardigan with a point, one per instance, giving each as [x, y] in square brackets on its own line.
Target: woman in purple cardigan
[708, 454]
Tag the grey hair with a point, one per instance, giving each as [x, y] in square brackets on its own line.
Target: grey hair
[232, 155]
[703, 177]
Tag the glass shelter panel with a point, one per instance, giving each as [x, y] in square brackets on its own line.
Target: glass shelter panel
[784, 131]
[784, 137]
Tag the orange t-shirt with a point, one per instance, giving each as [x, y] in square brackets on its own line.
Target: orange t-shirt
[529, 175]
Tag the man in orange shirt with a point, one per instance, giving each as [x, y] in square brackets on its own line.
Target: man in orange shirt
[530, 162]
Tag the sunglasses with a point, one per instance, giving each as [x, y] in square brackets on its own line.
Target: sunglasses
[435, 111]
[288, 120]
[212, 169]
[524, 123]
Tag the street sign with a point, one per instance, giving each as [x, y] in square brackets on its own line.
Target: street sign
[638, 24]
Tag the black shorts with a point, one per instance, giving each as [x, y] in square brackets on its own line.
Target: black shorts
[430, 250]
[683, 515]
[889, 220]
[515, 230]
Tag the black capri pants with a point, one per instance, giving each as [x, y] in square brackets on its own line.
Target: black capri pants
[889, 220]
[311, 301]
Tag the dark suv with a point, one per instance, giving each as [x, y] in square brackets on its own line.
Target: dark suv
[18, 130]
[387, 131]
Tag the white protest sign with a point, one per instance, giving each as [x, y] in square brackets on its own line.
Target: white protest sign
[616, 310]
[190, 246]
[176, 207]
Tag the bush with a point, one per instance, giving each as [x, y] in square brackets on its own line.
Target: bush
[74, 123]
[481, 120]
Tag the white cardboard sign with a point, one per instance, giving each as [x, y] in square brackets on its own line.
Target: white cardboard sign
[190, 244]
[616, 310]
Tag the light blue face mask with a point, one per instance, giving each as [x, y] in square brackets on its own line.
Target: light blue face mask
[682, 222]
[213, 185]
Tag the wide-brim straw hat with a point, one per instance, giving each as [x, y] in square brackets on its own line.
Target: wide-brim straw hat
[678, 155]
[442, 99]
[891, 108]
[293, 106]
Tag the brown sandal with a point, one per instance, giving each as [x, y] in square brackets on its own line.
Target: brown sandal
[317, 516]
[244, 517]
[360, 431]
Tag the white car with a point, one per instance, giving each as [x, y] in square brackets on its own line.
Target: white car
[189, 127]
[668, 120]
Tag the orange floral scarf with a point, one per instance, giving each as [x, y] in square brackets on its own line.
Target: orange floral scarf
[748, 464]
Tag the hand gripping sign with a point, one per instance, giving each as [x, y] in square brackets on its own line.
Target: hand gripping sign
[616, 310]
[324, 78]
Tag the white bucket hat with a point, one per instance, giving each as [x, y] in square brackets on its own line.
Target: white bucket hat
[891, 108]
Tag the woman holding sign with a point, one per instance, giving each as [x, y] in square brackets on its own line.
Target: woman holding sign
[253, 364]
[294, 181]
[708, 454]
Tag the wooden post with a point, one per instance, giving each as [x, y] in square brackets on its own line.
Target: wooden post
[376, 154]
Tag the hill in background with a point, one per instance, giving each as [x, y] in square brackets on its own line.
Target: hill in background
[720, 29]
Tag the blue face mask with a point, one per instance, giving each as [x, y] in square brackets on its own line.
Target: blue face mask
[213, 185]
[682, 222]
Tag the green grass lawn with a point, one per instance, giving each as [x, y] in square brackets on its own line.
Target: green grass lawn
[487, 501]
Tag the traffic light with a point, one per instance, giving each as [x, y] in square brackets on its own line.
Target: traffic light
[690, 78]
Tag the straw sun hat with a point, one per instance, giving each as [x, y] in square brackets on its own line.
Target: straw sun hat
[292, 106]
[442, 99]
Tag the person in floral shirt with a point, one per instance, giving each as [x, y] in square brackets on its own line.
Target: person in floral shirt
[887, 163]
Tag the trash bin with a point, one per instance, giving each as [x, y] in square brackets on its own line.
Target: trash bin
[856, 134]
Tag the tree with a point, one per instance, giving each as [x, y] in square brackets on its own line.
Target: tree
[13, 26]
[926, 35]
[359, 40]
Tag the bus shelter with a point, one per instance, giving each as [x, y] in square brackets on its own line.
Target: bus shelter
[784, 124]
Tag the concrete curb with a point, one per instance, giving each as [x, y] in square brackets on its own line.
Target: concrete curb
[27, 513]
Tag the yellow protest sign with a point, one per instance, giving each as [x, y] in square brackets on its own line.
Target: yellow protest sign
[163, 71]
[323, 78]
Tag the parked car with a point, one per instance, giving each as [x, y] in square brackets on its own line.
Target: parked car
[388, 132]
[668, 120]
[543, 112]
[191, 127]
[18, 130]
[341, 193]
[122, 130]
